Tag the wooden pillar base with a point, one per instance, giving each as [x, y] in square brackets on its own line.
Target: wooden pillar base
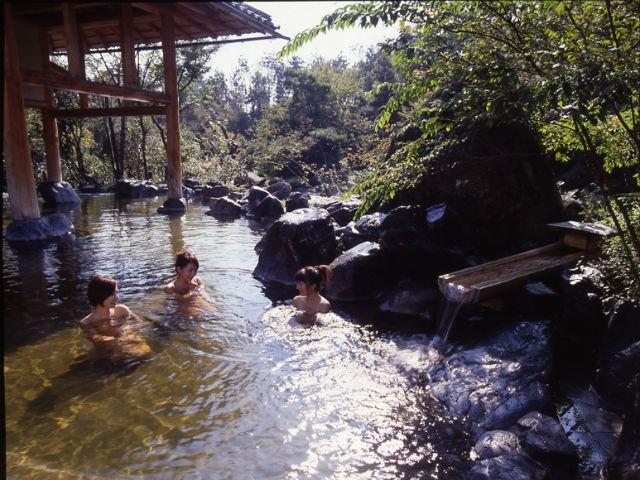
[39, 229]
[173, 206]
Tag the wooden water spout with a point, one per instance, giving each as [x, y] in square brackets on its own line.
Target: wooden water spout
[482, 282]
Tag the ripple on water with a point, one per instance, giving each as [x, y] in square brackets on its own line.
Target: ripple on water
[227, 392]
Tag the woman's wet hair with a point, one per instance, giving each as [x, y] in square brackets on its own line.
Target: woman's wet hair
[185, 258]
[318, 275]
[100, 288]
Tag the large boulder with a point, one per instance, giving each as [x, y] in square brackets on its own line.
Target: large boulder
[361, 273]
[507, 467]
[619, 355]
[497, 381]
[543, 439]
[370, 226]
[348, 237]
[445, 224]
[268, 208]
[224, 207]
[406, 236]
[255, 196]
[281, 190]
[216, 191]
[343, 212]
[90, 188]
[411, 298]
[55, 193]
[297, 200]
[582, 324]
[43, 228]
[495, 443]
[131, 188]
[297, 239]
[499, 182]
[624, 462]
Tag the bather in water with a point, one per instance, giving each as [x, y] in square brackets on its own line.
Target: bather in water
[112, 328]
[309, 281]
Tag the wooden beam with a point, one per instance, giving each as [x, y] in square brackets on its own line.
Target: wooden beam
[49, 124]
[174, 180]
[133, 111]
[32, 77]
[20, 182]
[75, 52]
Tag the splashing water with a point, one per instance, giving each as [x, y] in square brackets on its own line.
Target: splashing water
[454, 297]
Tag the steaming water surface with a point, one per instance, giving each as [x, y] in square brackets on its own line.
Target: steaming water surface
[234, 391]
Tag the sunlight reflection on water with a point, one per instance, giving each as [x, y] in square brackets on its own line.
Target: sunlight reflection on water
[229, 391]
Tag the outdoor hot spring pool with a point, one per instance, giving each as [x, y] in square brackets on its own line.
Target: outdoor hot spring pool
[226, 393]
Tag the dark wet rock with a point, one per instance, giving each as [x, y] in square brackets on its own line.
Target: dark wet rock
[90, 188]
[173, 205]
[343, 212]
[495, 443]
[582, 324]
[299, 238]
[418, 256]
[507, 467]
[163, 188]
[370, 226]
[616, 371]
[500, 183]
[281, 190]
[236, 196]
[131, 188]
[297, 200]
[255, 196]
[411, 298]
[500, 379]
[625, 459]
[348, 237]
[403, 217]
[268, 208]
[543, 439]
[187, 192]
[215, 191]
[537, 297]
[43, 228]
[224, 207]
[619, 355]
[192, 183]
[406, 238]
[444, 223]
[55, 193]
[361, 273]
[590, 425]
[572, 209]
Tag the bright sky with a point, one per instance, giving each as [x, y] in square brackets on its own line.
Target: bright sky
[293, 18]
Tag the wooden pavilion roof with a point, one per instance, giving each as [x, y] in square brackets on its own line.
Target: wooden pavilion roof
[99, 23]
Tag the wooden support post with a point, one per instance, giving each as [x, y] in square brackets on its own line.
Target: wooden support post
[20, 182]
[75, 52]
[130, 73]
[49, 123]
[174, 181]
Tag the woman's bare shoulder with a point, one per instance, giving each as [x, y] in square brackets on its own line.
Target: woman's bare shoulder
[169, 287]
[299, 301]
[121, 310]
[324, 305]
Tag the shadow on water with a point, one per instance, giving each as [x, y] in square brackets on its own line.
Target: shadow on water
[49, 273]
[84, 377]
